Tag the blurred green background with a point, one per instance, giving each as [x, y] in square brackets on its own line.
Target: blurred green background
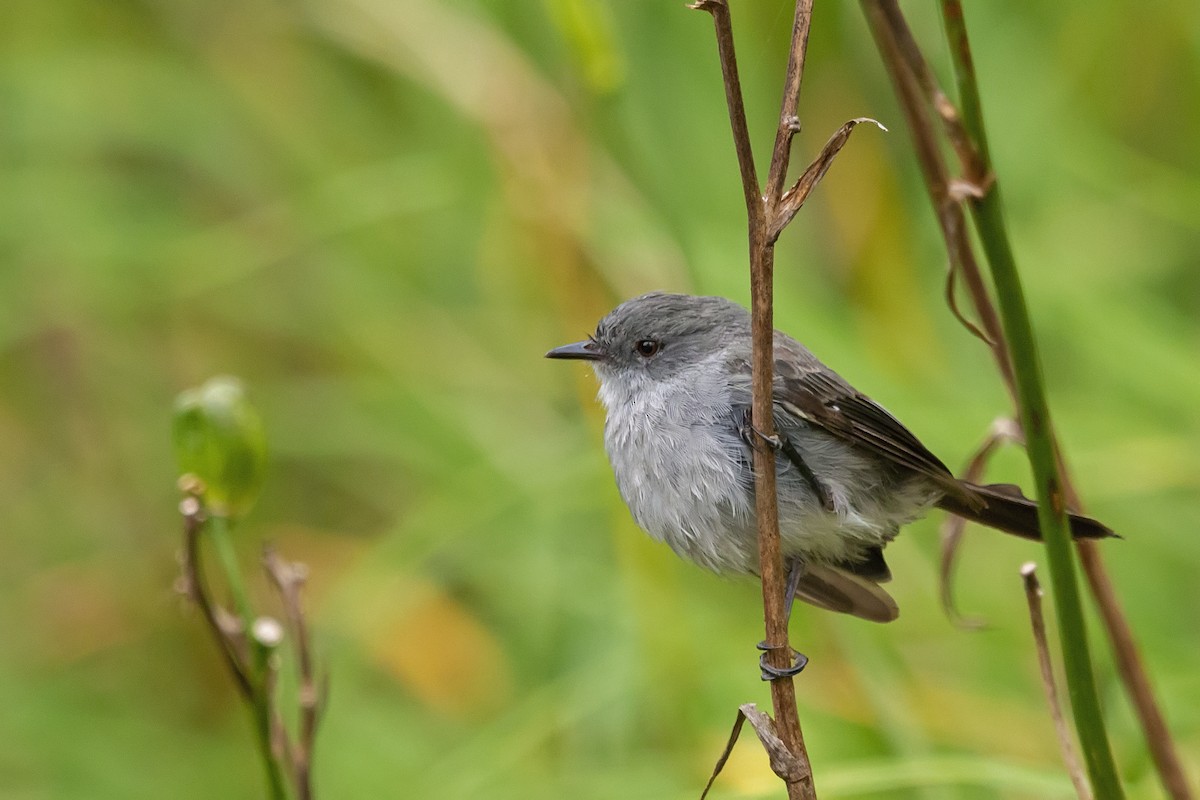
[380, 214]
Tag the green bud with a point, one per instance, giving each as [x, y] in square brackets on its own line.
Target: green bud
[219, 438]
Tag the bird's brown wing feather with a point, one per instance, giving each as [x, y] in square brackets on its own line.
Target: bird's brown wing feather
[804, 388]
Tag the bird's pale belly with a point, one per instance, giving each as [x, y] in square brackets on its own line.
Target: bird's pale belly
[691, 486]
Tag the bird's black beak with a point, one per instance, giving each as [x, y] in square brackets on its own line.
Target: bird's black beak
[586, 350]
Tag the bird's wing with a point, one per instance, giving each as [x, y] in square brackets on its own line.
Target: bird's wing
[806, 389]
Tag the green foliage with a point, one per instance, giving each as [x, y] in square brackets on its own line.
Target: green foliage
[381, 214]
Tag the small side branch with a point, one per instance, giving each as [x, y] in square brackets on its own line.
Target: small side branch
[289, 579]
[225, 628]
[1033, 596]
[783, 762]
[789, 204]
[789, 122]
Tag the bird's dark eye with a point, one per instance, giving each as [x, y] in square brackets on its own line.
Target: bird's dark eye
[648, 347]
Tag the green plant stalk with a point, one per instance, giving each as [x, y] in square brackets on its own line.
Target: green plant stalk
[218, 531]
[987, 212]
[219, 528]
[1052, 516]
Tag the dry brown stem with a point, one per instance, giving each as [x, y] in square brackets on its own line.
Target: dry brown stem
[289, 578]
[224, 627]
[768, 213]
[789, 204]
[758, 208]
[1037, 622]
[890, 32]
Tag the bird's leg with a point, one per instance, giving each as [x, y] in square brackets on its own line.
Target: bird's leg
[752, 436]
[795, 573]
[799, 660]
[782, 444]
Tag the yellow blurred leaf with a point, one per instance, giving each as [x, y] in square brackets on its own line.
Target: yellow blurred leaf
[438, 649]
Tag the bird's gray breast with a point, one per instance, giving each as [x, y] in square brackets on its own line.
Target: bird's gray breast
[681, 465]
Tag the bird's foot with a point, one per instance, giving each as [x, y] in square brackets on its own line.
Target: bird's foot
[770, 672]
[752, 435]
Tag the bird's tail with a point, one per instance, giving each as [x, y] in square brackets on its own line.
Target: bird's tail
[837, 589]
[1005, 508]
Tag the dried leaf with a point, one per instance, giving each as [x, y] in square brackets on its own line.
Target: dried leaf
[952, 301]
[794, 197]
[1033, 595]
[783, 763]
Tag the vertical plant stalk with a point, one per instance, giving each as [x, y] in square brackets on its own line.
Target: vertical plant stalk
[800, 785]
[1052, 509]
[913, 80]
[1052, 517]
[1037, 623]
[1125, 649]
[768, 213]
[923, 102]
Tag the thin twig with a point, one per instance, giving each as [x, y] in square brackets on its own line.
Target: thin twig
[1033, 595]
[799, 782]
[266, 703]
[251, 655]
[722, 759]
[289, 579]
[783, 761]
[789, 122]
[223, 633]
[974, 167]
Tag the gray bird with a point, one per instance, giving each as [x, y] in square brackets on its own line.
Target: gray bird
[674, 375]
